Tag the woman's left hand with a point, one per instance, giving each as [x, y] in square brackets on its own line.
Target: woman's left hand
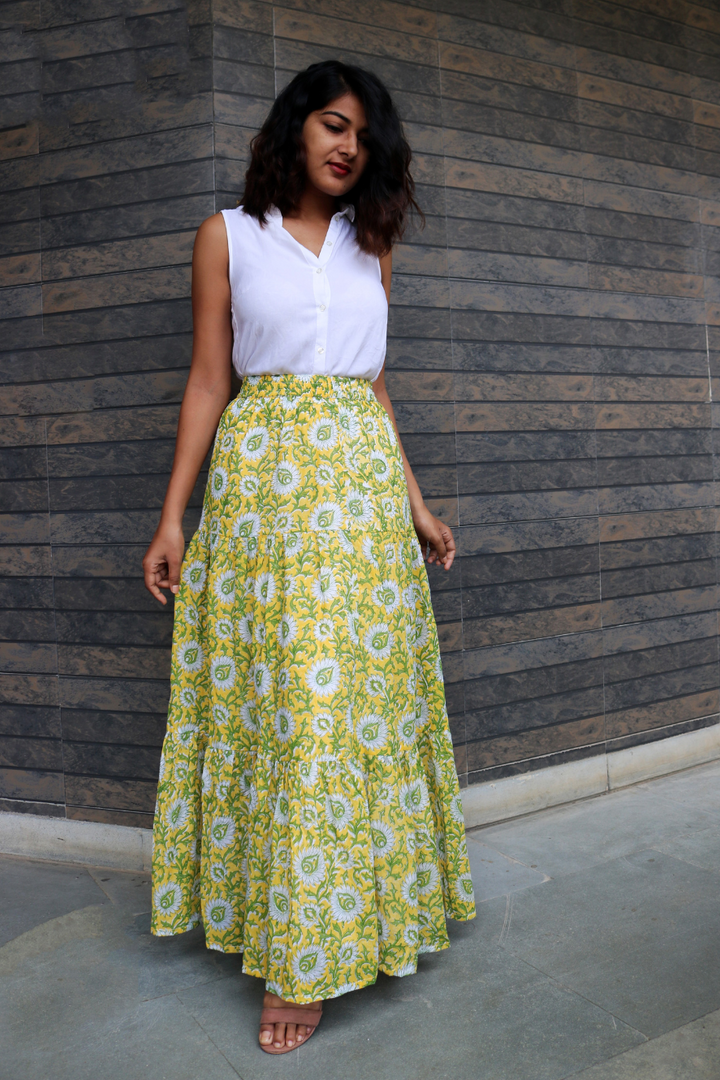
[436, 539]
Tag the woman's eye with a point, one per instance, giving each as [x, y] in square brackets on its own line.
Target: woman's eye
[336, 130]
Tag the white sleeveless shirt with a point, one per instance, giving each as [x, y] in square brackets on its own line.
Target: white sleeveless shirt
[294, 313]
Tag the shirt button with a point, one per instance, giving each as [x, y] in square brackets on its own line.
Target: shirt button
[329, 243]
[319, 270]
[322, 307]
[321, 350]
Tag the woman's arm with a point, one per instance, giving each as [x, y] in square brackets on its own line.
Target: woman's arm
[430, 530]
[206, 396]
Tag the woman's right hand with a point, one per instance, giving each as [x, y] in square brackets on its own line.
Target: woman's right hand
[163, 560]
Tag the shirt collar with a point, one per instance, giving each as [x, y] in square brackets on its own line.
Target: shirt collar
[348, 211]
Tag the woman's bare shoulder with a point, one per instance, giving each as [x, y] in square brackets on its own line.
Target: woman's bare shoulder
[211, 242]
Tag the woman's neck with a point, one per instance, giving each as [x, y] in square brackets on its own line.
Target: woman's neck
[314, 206]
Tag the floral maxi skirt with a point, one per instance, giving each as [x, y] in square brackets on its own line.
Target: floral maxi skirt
[308, 807]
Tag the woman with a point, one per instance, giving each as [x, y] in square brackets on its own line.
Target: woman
[308, 806]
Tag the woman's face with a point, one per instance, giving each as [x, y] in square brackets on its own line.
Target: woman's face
[336, 145]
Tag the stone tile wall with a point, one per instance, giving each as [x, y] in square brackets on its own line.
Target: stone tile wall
[555, 333]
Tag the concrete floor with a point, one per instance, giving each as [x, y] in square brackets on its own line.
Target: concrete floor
[595, 955]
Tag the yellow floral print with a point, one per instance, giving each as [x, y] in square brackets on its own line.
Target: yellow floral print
[308, 807]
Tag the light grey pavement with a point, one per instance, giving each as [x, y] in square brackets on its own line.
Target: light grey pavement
[595, 955]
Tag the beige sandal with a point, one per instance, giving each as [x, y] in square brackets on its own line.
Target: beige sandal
[309, 1017]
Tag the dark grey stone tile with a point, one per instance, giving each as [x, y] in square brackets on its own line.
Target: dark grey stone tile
[636, 935]
[34, 892]
[573, 837]
[126, 889]
[495, 874]
[691, 1052]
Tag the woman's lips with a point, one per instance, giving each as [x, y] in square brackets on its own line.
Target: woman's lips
[339, 170]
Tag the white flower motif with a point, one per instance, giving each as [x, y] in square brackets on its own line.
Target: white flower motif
[255, 443]
[413, 797]
[206, 780]
[427, 878]
[376, 684]
[309, 964]
[410, 597]
[247, 529]
[228, 441]
[249, 486]
[282, 808]
[349, 423]
[339, 810]
[283, 678]
[367, 550]
[383, 839]
[308, 773]
[388, 506]
[353, 624]
[190, 656]
[218, 482]
[324, 475]
[323, 677]
[279, 903]
[412, 936]
[177, 813]
[265, 588]
[284, 724]
[260, 677]
[167, 898]
[464, 888]
[250, 718]
[323, 630]
[222, 832]
[389, 553]
[309, 865]
[348, 954]
[386, 595]
[346, 904]
[185, 734]
[222, 672]
[407, 969]
[219, 914]
[245, 628]
[417, 633]
[456, 809]
[409, 889]
[188, 697]
[378, 641]
[326, 516]
[406, 729]
[194, 575]
[422, 714]
[217, 873]
[322, 724]
[286, 630]
[285, 478]
[371, 732]
[224, 629]
[191, 615]
[325, 586]
[259, 633]
[308, 915]
[380, 465]
[360, 507]
[293, 546]
[323, 433]
[225, 587]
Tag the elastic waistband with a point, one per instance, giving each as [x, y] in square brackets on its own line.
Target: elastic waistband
[312, 386]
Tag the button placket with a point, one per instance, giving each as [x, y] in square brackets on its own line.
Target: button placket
[321, 291]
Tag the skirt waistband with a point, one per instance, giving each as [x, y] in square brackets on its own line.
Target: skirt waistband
[309, 386]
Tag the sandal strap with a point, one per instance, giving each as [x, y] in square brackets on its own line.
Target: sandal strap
[309, 1017]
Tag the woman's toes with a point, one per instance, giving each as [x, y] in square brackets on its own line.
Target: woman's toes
[290, 1034]
[279, 1039]
[266, 1034]
[301, 1032]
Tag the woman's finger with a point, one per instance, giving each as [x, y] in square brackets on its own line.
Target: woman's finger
[449, 547]
[173, 574]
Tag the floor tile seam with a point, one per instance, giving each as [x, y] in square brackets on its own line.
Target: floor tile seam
[512, 859]
[576, 993]
[187, 989]
[689, 862]
[207, 1034]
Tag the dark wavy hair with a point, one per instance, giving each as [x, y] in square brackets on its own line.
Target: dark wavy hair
[385, 193]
